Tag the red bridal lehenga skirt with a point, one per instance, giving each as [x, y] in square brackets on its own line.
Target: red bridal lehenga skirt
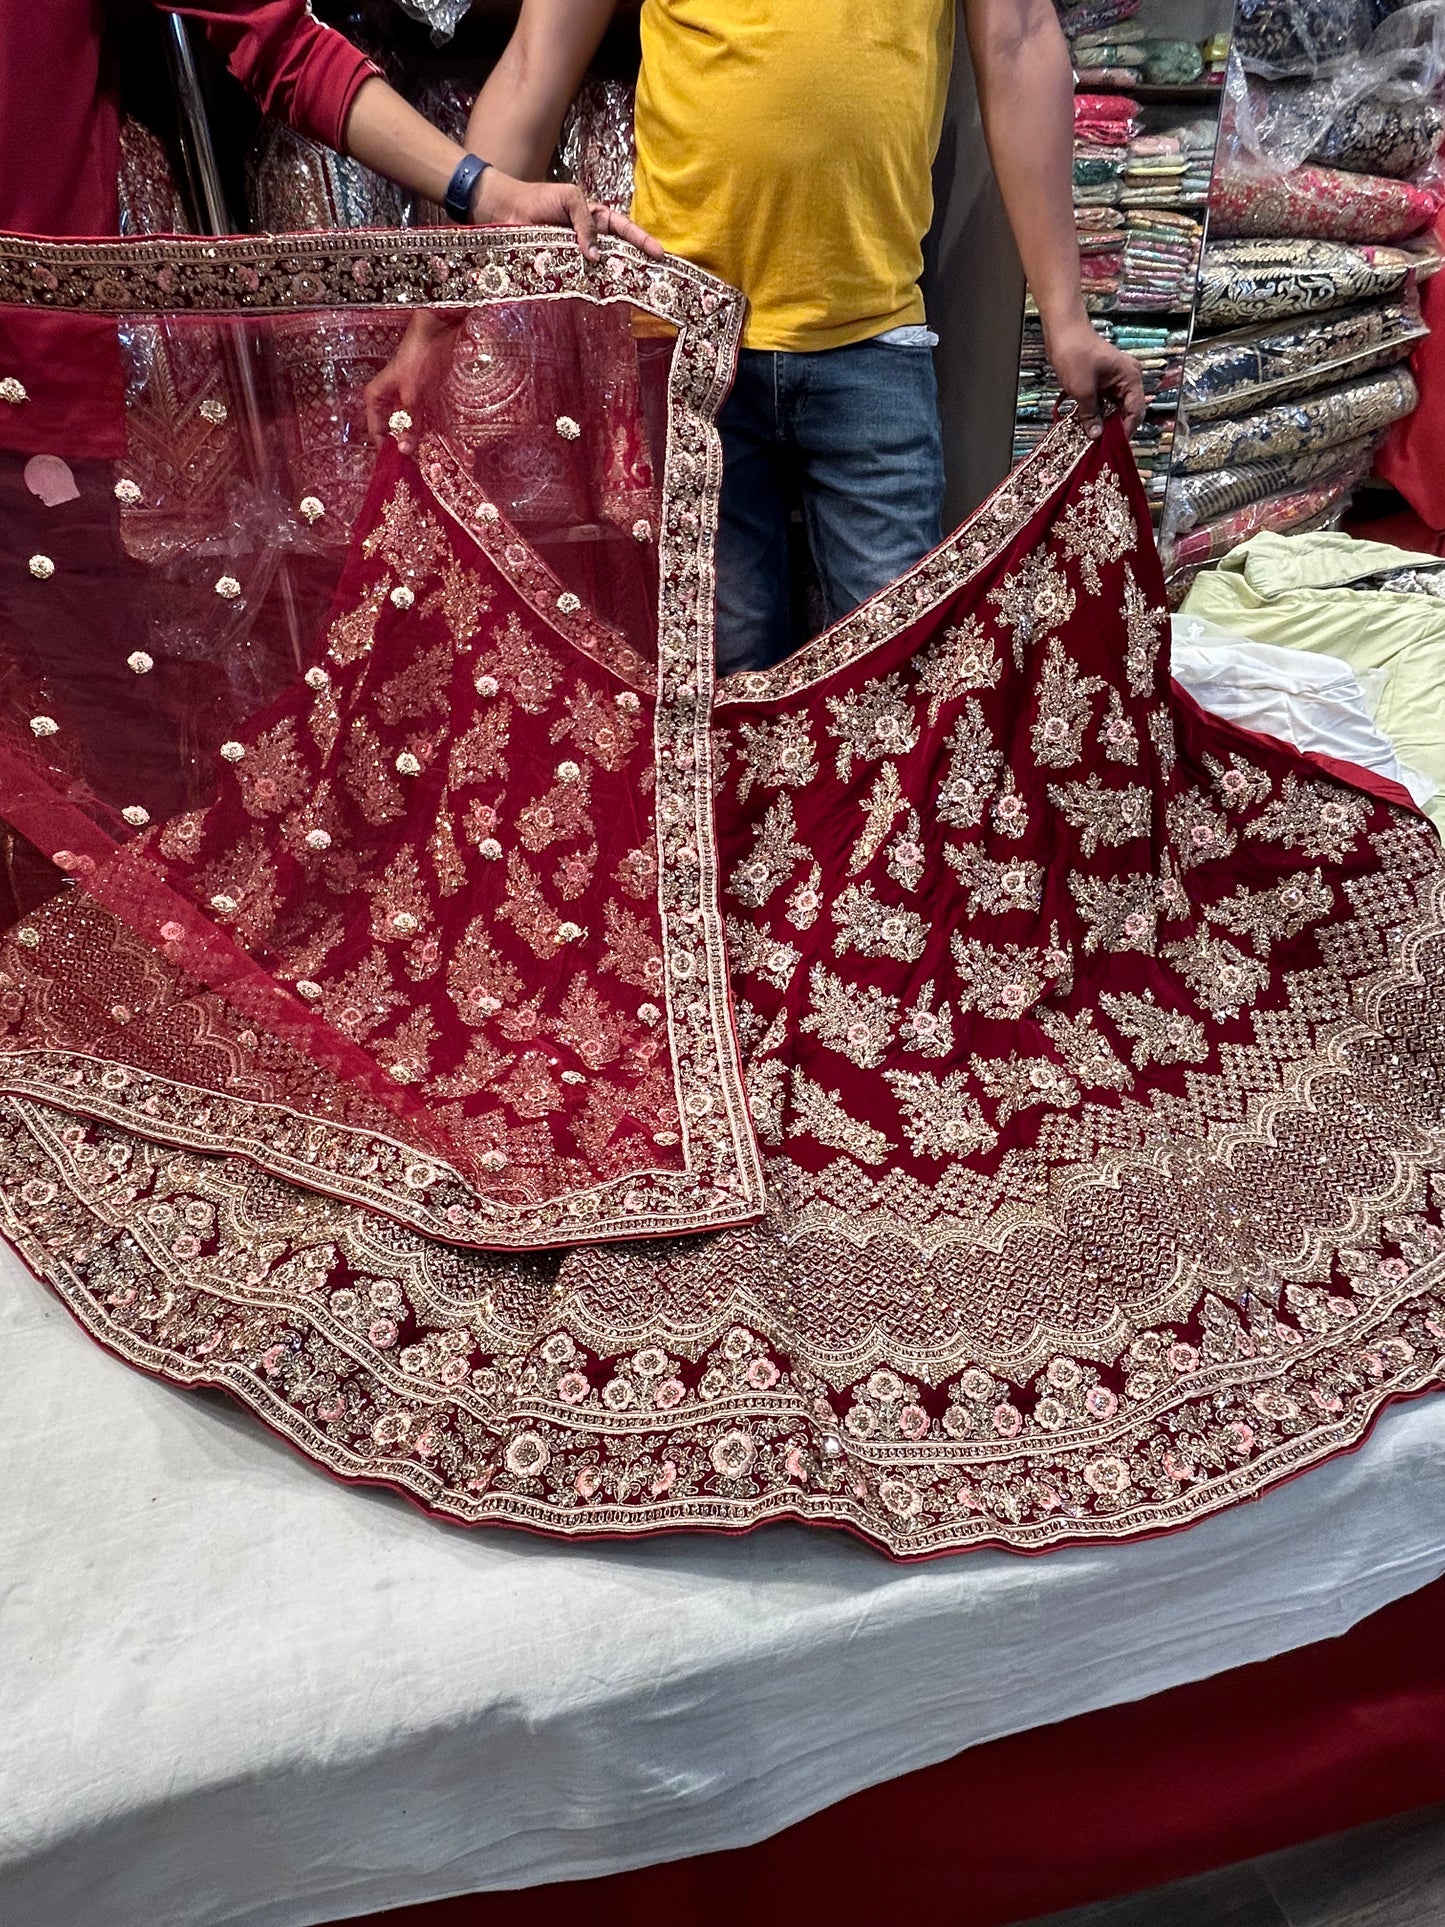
[947, 1086]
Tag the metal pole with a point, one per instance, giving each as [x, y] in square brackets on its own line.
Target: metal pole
[208, 197]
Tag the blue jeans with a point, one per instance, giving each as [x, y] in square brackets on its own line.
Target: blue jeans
[855, 433]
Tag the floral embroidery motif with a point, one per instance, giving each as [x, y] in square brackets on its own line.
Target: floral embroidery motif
[1098, 527]
[1035, 599]
[1318, 819]
[941, 1115]
[1064, 708]
[855, 1021]
[993, 889]
[875, 721]
[1103, 816]
[873, 929]
[962, 660]
[774, 754]
[1144, 628]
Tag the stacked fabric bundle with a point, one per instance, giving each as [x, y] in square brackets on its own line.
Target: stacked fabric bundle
[1216, 59]
[1105, 59]
[1153, 172]
[1196, 140]
[1161, 256]
[1324, 128]
[1282, 416]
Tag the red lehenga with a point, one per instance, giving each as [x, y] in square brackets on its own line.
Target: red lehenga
[947, 1086]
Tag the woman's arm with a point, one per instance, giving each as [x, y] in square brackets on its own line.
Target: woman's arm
[1026, 97]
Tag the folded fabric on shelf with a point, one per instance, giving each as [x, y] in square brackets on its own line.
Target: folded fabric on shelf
[1172, 63]
[1324, 420]
[1393, 134]
[1260, 280]
[1255, 367]
[1295, 509]
[1199, 498]
[1324, 203]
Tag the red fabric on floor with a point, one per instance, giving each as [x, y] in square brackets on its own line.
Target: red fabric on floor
[1328, 1737]
[1411, 456]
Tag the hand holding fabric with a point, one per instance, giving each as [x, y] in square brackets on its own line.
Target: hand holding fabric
[1097, 375]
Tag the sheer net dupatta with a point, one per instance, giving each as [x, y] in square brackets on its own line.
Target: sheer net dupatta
[367, 834]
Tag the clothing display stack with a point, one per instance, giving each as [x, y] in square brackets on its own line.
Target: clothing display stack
[1327, 182]
[1145, 122]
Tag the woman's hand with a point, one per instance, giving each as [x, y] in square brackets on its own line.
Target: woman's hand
[498, 197]
[411, 378]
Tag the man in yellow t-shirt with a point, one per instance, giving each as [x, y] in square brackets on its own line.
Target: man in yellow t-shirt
[787, 145]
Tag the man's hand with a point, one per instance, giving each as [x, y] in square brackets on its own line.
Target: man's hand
[1094, 373]
[411, 378]
[498, 197]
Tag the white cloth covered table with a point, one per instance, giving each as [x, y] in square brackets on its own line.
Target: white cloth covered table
[235, 1692]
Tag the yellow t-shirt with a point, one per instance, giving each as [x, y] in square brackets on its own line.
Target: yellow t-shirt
[787, 145]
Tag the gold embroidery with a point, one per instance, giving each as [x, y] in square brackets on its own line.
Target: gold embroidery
[1222, 978]
[1144, 628]
[1159, 1036]
[996, 888]
[1035, 599]
[1016, 1083]
[1322, 820]
[881, 809]
[1118, 737]
[856, 1022]
[874, 929]
[874, 721]
[775, 754]
[942, 1118]
[819, 1114]
[1120, 912]
[1237, 782]
[955, 664]
[1103, 816]
[974, 763]
[1274, 916]
[1098, 527]
[776, 854]
[1197, 832]
[1064, 708]
[927, 1030]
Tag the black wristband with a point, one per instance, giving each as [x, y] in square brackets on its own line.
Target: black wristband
[458, 198]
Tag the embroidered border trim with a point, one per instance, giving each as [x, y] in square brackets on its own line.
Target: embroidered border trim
[974, 544]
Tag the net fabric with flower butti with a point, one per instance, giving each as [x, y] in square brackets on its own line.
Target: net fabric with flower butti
[1088, 1176]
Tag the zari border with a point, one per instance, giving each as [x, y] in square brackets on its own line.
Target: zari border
[722, 1180]
[797, 1464]
[973, 545]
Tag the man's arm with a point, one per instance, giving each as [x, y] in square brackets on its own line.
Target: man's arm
[1026, 96]
[518, 114]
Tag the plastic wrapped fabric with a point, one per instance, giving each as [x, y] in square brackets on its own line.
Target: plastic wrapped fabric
[598, 144]
[1322, 203]
[1296, 509]
[1382, 134]
[1299, 36]
[442, 16]
[1172, 63]
[1258, 280]
[1323, 420]
[1192, 499]
[1253, 367]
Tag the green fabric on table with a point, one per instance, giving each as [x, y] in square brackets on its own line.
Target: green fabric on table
[1301, 591]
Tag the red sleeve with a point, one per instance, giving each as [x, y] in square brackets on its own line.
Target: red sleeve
[287, 60]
